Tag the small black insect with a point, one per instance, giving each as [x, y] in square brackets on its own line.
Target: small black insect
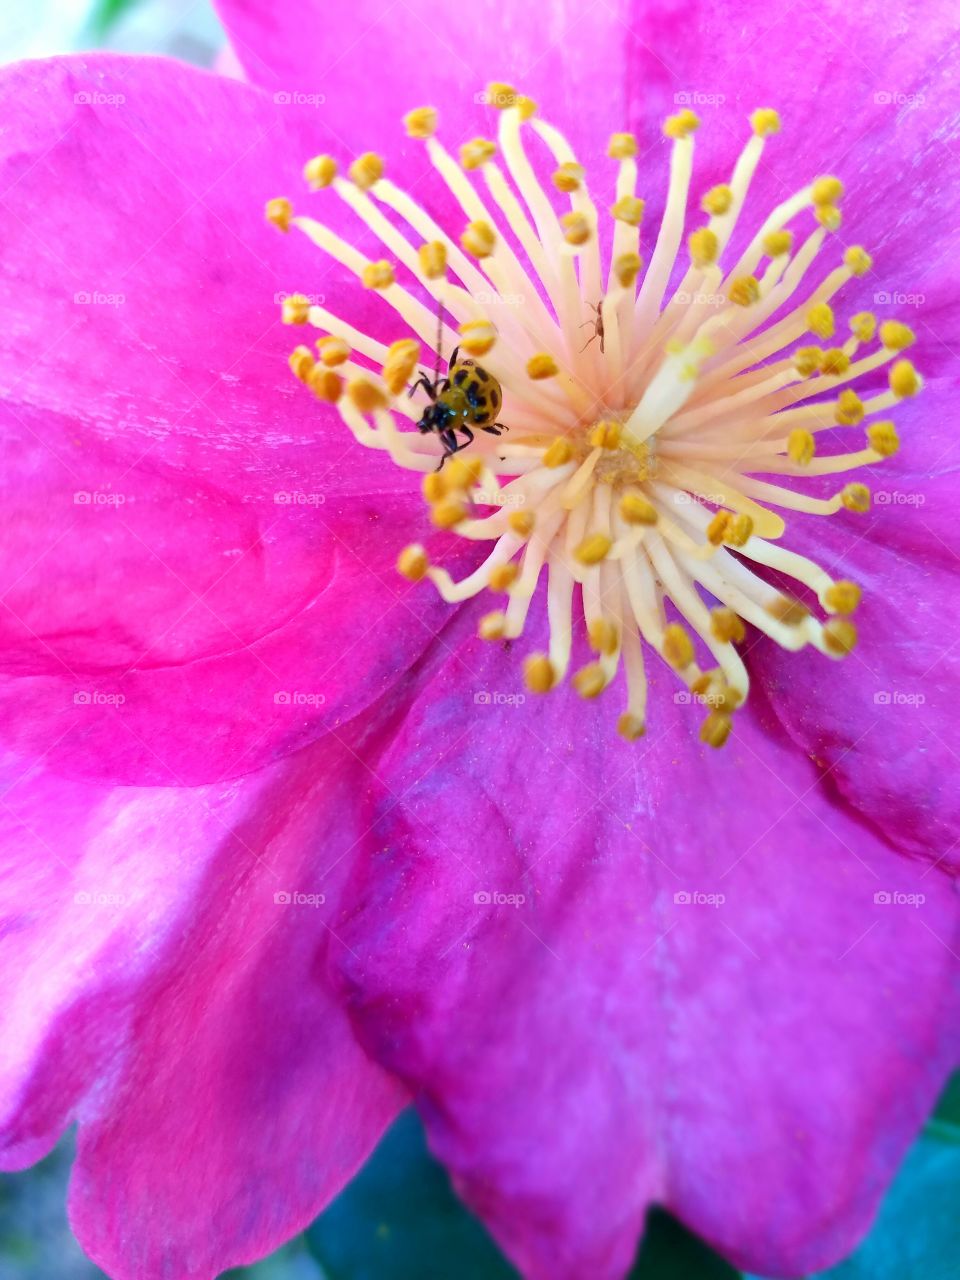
[467, 397]
[597, 323]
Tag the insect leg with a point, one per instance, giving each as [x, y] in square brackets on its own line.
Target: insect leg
[428, 386]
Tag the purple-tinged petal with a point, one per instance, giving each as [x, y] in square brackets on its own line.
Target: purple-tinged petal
[613, 975]
[165, 954]
[188, 534]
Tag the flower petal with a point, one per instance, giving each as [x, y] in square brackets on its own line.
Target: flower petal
[188, 534]
[166, 986]
[618, 1035]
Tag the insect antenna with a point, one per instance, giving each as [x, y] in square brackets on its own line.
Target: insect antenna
[436, 370]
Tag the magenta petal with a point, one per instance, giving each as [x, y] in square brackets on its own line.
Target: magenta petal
[617, 1035]
[172, 997]
[373, 62]
[185, 534]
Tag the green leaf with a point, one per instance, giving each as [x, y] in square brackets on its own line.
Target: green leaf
[670, 1252]
[106, 13]
[399, 1219]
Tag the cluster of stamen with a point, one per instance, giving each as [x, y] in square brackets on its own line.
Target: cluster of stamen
[629, 474]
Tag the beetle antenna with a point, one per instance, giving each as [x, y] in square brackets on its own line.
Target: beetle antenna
[436, 371]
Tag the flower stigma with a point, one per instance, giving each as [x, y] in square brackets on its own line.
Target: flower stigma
[638, 419]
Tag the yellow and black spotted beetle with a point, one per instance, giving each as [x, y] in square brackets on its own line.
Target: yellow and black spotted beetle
[468, 396]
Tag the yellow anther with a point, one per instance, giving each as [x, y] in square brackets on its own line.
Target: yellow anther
[727, 626]
[806, 360]
[801, 446]
[378, 275]
[492, 626]
[401, 361]
[576, 227]
[333, 350]
[477, 152]
[704, 246]
[622, 146]
[626, 268]
[279, 212]
[295, 309]
[904, 379]
[604, 636]
[569, 177]
[326, 384]
[677, 646]
[500, 95]
[839, 636]
[448, 512]
[606, 435]
[896, 336]
[848, 410]
[541, 366]
[434, 486]
[712, 687]
[301, 362]
[477, 336]
[883, 438]
[827, 190]
[320, 172]
[590, 681]
[636, 509]
[628, 209]
[863, 326]
[593, 548]
[413, 562]
[526, 106]
[366, 394]
[739, 530]
[539, 673]
[858, 260]
[503, 576]
[834, 362]
[744, 291]
[829, 216]
[715, 729]
[855, 497]
[842, 596]
[820, 320]
[777, 243]
[559, 453]
[682, 124]
[433, 259]
[421, 122]
[522, 523]
[631, 727]
[789, 611]
[366, 170]
[717, 528]
[717, 200]
[765, 121]
[479, 238]
[464, 473]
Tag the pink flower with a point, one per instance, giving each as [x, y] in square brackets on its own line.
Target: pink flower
[284, 848]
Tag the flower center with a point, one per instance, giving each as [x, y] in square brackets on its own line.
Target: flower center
[622, 462]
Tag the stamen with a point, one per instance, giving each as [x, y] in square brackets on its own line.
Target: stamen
[622, 452]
